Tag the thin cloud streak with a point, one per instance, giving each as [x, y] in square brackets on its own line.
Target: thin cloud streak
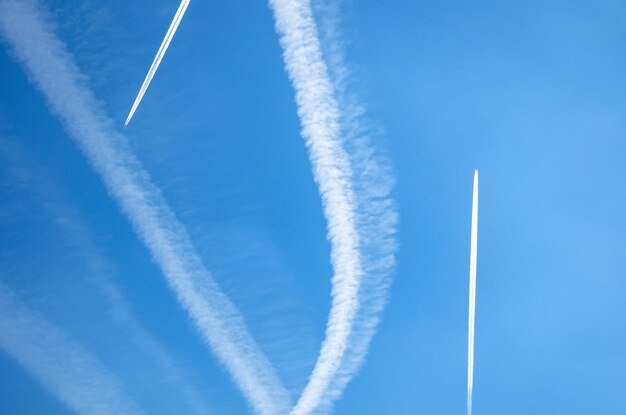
[178, 17]
[150, 346]
[52, 70]
[69, 222]
[345, 189]
[472, 295]
[60, 364]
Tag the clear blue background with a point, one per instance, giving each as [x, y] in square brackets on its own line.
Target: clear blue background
[530, 93]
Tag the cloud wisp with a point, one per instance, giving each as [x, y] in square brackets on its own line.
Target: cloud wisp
[60, 364]
[178, 17]
[359, 233]
[472, 295]
[31, 177]
[52, 70]
[171, 371]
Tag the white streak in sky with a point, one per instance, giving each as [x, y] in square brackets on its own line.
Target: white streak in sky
[373, 182]
[52, 70]
[59, 363]
[149, 345]
[98, 269]
[68, 221]
[159, 56]
[351, 228]
[472, 295]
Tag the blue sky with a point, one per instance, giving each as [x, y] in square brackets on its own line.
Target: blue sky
[531, 94]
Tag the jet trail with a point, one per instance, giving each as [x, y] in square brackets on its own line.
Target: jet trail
[319, 115]
[51, 69]
[350, 227]
[376, 214]
[159, 56]
[69, 222]
[61, 365]
[472, 295]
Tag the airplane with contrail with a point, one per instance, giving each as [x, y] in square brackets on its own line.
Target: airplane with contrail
[159, 57]
[472, 295]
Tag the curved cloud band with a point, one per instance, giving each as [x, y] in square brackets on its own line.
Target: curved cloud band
[356, 205]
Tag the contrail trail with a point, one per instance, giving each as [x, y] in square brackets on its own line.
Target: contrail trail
[150, 346]
[159, 56]
[373, 181]
[52, 70]
[349, 226]
[60, 364]
[319, 115]
[68, 219]
[472, 295]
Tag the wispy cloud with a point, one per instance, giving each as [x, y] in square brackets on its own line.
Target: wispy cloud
[138, 334]
[53, 71]
[359, 233]
[58, 362]
[30, 176]
[472, 295]
[159, 56]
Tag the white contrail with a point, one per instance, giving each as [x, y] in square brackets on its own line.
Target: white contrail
[159, 56]
[51, 69]
[60, 364]
[30, 177]
[372, 181]
[150, 346]
[472, 295]
[348, 225]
